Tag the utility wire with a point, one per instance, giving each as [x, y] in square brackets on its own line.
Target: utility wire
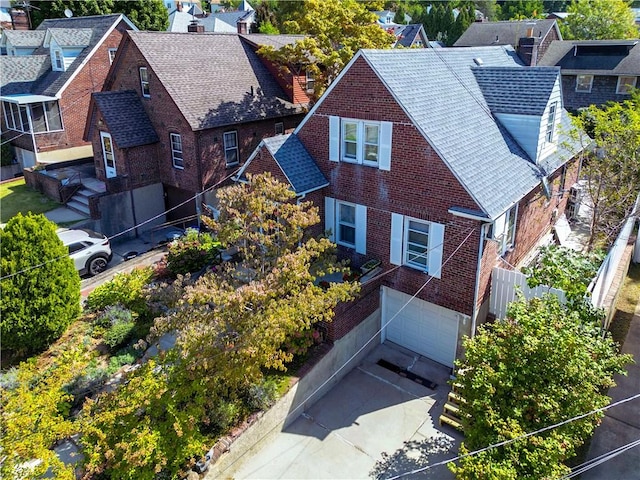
[594, 462]
[521, 437]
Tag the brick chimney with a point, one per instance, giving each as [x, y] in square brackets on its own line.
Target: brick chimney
[528, 51]
[195, 27]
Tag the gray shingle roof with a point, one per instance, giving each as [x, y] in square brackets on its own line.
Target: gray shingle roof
[126, 118]
[71, 37]
[19, 73]
[518, 90]
[449, 108]
[561, 53]
[296, 163]
[409, 34]
[225, 22]
[484, 33]
[275, 41]
[24, 38]
[214, 79]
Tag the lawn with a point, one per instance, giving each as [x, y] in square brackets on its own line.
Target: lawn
[17, 197]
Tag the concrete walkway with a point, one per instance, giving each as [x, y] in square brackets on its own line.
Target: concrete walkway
[621, 425]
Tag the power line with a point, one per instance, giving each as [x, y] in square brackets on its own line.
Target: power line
[521, 437]
[373, 337]
[594, 462]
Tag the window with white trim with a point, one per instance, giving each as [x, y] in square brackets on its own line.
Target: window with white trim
[626, 84]
[45, 117]
[360, 141]
[417, 244]
[504, 229]
[584, 83]
[310, 82]
[551, 121]
[144, 82]
[230, 140]
[112, 55]
[176, 150]
[58, 61]
[346, 223]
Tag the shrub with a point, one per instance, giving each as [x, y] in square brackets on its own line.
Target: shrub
[112, 315]
[192, 252]
[118, 334]
[125, 289]
[225, 415]
[262, 396]
[120, 360]
[40, 286]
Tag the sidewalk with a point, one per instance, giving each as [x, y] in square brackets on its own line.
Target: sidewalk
[621, 424]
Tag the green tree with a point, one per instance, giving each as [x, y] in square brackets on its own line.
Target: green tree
[555, 5]
[40, 285]
[489, 8]
[534, 369]
[336, 30]
[266, 17]
[521, 10]
[612, 170]
[145, 14]
[599, 20]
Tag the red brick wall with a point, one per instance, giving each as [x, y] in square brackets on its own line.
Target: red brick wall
[264, 162]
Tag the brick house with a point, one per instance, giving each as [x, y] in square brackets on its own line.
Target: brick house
[595, 72]
[440, 181]
[530, 38]
[48, 75]
[179, 114]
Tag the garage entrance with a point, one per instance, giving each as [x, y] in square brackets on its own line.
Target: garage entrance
[423, 327]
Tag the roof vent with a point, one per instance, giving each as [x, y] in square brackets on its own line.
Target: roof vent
[478, 61]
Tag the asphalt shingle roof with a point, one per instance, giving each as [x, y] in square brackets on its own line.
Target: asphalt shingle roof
[71, 37]
[508, 32]
[518, 90]
[19, 73]
[225, 22]
[296, 163]
[408, 34]
[126, 118]
[214, 79]
[275, 41]
[561, 53]
[25, 38]
[448, 106]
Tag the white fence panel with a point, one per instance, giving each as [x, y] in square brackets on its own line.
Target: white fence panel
[504, 285]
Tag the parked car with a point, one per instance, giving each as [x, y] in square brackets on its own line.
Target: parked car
[90, 251]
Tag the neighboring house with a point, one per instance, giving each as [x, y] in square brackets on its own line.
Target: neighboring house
[385, 18]
[530, 38]
[239, 21]
[439, 181]
[409, 36]
[595, 71]
[47, 80]
[180, 112]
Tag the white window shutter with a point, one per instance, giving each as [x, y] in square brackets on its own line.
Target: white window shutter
[334, 139]
[330, 217]
[360, 142]
[361, 229]
[385, 146]
[436, 246]
[397, 231]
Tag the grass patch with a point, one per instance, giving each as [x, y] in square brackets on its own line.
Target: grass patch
[16, 197]
[626, 305]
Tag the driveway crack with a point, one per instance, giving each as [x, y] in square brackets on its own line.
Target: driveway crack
[333, 432]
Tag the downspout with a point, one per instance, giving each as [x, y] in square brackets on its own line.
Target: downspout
[199, 174]
[474, 316]
[33, 134]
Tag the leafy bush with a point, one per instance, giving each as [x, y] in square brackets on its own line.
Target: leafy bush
[118, 361]
[192, 252]
[112, 315]
[262, 396]
[225, 415]
[299, 342]
[125, 289]
[40, 286]
[9, 379]
[118, 334]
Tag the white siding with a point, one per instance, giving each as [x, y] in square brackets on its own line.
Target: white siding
[525, 129]
[549, 148]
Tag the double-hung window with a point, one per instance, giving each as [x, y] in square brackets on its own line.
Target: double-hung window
[230, 140]
[551, 120]
[626, 84]
[360, 141]
[144, 82]
[310, 82]
[504, 229]
[58, 61]
[584, 83]
[176, 150]
[346, 223]
[112, 55]
[417, 244]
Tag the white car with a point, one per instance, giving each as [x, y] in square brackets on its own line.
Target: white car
[89, 250]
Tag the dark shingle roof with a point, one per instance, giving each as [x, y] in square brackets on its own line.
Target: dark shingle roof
[19, 73]
[24, 38]
[275, 41]
[408, 34]
[518, 90]
[481, 34]
[296, 163]
[449, 108]
[214, 79]
[622, 59]
[126, 118]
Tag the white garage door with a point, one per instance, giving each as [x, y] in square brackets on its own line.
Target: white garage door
[423, 327]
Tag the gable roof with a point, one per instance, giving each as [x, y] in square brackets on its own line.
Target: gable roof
[223, 22]
[275, 41]
[68, 37]
[126, 118]
[409, 33]
[40, 79]
[523, 91]
[504, 33]
[622, 59]
[23, 38]
[230, 86]
[295, 162]
[479, 151]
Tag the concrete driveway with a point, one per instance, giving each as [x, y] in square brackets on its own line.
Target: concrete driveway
[373, 424]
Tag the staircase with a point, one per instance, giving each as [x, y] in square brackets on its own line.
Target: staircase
[79, 202]
[451, 411]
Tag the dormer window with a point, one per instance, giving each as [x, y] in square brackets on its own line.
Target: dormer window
[144, 82]
[58, 61]
[551, 120]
